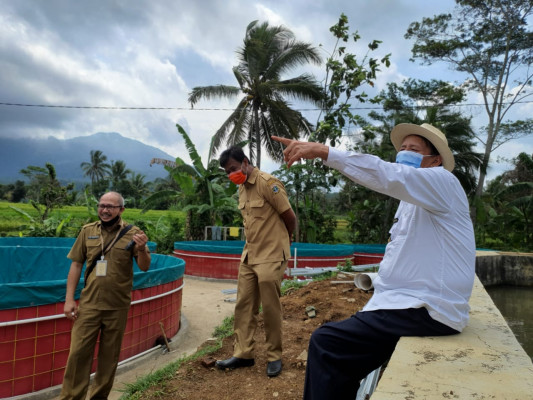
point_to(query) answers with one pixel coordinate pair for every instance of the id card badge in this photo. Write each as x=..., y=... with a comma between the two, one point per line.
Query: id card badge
x=101, y=268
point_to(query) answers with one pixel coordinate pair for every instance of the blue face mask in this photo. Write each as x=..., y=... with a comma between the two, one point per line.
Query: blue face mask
x=409, y=158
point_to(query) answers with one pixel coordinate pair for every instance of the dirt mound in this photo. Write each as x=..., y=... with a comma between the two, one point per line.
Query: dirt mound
x=330, y=301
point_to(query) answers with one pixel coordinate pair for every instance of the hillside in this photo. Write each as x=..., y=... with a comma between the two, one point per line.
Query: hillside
x=67, y=155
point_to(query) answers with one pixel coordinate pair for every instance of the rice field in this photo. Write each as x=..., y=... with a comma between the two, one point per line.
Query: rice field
x=13, y=223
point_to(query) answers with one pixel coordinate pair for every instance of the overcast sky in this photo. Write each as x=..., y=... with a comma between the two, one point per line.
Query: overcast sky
x=151, y=53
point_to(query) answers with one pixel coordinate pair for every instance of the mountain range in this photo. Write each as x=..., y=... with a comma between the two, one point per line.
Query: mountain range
x=67, y=155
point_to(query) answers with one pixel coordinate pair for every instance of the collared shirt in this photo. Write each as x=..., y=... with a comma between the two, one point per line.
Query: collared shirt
x=113, y=291
x=430, y=260
x=262, y=200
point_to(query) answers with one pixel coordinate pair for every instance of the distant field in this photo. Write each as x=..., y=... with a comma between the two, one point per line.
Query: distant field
x=12, y=223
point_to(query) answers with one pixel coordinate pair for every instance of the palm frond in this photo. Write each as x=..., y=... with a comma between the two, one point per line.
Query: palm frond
x=210, y=92
x=229, y=127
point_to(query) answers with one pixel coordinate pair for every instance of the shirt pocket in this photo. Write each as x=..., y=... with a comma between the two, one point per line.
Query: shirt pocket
x=121, y=257
x=94, y=248
x=257, y=208
x=120, y=251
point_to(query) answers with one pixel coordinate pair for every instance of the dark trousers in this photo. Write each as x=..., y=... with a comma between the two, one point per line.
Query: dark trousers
x=342, y=353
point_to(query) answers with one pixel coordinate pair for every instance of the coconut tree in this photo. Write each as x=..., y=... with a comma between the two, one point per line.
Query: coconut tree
x=138, y=188
x=118, y=174
x=268, y=53
x=97, y=168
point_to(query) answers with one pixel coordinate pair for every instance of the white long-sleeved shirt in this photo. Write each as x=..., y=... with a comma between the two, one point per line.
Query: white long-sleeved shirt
x=430, y=259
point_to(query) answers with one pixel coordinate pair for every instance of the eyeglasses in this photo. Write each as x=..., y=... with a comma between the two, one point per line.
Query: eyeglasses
x=108, y=206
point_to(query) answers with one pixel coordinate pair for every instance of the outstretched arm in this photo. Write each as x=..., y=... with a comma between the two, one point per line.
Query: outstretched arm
x=297, y=150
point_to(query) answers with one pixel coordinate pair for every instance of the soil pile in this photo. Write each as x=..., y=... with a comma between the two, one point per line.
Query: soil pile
x=329, y=300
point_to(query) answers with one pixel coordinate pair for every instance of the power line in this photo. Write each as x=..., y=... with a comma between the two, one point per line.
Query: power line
x=120, y=108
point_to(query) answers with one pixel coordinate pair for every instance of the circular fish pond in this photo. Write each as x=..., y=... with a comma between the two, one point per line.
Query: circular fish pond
x=34, y=333
x=368, y=253
x=221, y=259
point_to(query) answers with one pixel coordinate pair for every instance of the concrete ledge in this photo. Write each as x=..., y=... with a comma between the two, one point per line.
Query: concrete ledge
x=485, y=361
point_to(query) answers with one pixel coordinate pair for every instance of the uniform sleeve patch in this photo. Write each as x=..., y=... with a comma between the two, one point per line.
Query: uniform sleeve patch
x=274, y=185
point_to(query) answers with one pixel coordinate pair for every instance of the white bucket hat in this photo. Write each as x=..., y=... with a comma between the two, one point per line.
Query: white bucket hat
x=435, y=136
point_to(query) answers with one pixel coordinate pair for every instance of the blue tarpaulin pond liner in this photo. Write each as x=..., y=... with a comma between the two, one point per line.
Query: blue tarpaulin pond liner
x=220, y=259
x=33, y=275
x=369, y=248
x=236, y=247
x=32, y=291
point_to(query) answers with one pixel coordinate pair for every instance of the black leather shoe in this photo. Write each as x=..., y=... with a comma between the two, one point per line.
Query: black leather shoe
x=274, y=368
x=235, y=362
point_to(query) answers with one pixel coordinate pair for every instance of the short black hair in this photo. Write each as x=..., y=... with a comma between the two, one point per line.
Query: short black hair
x=234, y=152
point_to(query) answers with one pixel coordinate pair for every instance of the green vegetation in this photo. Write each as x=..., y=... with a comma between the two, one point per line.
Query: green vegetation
x=490, y=44
x=346, y=266
x=206, y=195
x=12, y=223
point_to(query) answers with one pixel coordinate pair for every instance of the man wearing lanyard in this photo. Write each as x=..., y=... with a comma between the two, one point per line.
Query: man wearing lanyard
x=108, y=247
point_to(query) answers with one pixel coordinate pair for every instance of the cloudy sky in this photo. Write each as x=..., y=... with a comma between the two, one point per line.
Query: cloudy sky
x=151, y=53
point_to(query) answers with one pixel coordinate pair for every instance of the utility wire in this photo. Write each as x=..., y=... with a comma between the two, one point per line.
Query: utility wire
x=224, y=109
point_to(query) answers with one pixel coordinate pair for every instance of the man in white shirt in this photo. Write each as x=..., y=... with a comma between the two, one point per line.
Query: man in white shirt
x=426, y=276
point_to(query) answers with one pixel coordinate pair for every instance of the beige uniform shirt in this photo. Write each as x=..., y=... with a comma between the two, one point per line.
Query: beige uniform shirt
x=262, y=200
x=113, y=291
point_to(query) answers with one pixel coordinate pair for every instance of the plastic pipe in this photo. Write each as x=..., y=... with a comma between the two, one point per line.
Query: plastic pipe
x=365, y=281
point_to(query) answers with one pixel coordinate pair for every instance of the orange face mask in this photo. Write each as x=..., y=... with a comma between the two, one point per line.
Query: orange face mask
x=237, y=177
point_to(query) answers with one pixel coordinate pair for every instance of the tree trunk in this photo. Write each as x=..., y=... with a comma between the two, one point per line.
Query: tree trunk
x=257, y=136
x=482, y=171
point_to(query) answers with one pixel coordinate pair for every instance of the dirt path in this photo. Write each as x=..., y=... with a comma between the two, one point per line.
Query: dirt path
x=203, y=308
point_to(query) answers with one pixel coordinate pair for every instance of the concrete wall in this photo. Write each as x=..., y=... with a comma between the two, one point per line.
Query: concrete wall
x=484, y=362
x=504, y=268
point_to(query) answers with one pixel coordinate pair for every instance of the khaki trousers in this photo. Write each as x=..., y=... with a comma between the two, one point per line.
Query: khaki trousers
x=259, y=284
x=110, y=324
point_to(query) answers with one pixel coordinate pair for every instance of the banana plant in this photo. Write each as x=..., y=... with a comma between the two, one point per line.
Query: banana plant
x=203, y=191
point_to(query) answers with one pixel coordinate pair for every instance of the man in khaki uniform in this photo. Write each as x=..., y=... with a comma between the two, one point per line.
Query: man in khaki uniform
x=268, y=224
x=105, y=300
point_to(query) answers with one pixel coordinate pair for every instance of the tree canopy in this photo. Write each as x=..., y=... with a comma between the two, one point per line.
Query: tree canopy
x=491, y=43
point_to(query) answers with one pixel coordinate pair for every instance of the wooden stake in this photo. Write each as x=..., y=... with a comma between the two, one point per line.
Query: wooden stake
x=164, y=336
